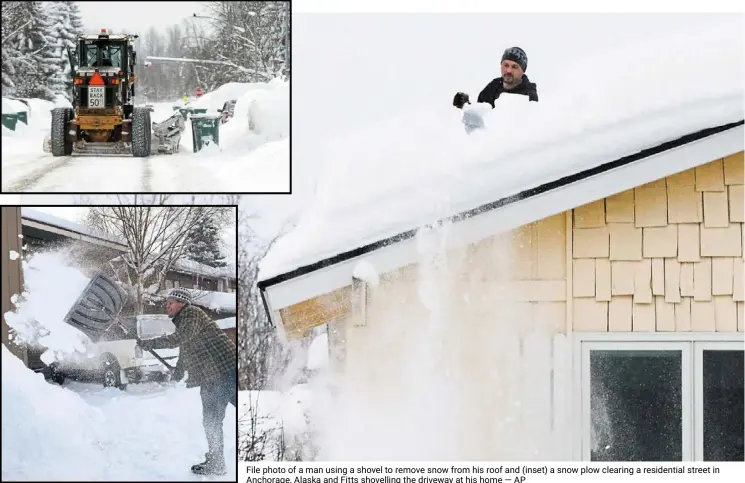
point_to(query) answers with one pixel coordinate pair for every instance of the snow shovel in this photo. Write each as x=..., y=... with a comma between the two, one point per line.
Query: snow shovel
x=97, y=310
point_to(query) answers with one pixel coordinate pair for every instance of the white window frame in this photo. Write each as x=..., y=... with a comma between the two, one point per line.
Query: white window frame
x=691, y=344
x=698, y=386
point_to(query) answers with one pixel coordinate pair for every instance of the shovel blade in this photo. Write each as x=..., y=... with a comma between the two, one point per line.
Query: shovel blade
x=97, y=307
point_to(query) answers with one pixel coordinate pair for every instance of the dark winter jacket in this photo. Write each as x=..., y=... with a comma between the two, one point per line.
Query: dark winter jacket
x=205, y=351
x=495, y=88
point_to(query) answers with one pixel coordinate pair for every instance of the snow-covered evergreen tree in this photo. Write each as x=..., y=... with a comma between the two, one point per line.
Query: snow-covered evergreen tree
x=25, y=39
x=63, y=36
x=203, y=245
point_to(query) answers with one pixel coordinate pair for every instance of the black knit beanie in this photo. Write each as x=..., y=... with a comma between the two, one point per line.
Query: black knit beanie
x=516, y=54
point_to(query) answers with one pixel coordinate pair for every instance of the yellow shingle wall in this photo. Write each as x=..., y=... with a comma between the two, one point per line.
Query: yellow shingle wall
x=665, y=256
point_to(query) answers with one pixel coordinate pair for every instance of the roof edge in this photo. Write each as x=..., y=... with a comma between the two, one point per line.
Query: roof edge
x=560, y=182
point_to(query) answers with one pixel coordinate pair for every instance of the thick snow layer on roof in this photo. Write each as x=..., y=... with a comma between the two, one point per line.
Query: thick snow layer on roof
x=190, y=266
x=421, y=166
x=31, y=214
x=217, y=301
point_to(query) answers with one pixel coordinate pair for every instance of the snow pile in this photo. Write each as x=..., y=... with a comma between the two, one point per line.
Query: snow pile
x=45, y=423
x=52, y=287
x=425, y=164
x=11, y=106
x=280, y=417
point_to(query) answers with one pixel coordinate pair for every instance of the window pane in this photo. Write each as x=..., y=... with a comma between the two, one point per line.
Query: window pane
x=723, y=405
x=636, y=405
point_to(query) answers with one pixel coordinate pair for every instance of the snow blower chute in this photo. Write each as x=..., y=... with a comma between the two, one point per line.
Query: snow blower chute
x=97, y=310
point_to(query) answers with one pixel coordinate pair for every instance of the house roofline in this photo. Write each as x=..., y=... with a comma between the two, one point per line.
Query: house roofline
x=558, y=183
x=71, y=234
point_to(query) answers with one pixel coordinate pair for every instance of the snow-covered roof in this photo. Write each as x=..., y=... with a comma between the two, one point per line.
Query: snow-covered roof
x=217, y=301
x=51, y=220
x=190, y=266
x=422, y=167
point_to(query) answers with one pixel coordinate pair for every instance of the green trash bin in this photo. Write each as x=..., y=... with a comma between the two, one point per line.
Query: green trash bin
x=185, y=111
x=10, y=120
x=23, y=117
x=205, y=130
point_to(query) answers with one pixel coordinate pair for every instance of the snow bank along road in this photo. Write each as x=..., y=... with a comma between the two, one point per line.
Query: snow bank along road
x=85, y=432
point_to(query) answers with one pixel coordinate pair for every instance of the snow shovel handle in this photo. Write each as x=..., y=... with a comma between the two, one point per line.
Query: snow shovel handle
x=152, y=351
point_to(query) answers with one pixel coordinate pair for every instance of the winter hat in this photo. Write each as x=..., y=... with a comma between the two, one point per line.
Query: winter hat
x=180, y=295
x=516, y=54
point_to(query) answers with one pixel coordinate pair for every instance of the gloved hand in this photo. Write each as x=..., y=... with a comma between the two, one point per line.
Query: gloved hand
x=460, y=99
x=145, y=344
x=177, y=374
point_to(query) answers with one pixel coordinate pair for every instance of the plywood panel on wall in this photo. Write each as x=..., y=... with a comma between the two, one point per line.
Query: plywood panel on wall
x=550, y=248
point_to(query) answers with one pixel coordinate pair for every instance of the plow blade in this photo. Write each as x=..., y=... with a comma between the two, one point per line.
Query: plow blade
x=98, y=307
x=167, y=134
x=103, y=149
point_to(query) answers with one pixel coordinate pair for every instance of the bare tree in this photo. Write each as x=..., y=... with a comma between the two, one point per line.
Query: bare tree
x=156, y=236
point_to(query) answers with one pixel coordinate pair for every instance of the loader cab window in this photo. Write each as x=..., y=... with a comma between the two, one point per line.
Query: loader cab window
x=89, y=56
x=110, y=54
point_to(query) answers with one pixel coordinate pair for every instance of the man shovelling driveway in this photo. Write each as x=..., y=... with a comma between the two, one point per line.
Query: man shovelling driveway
x=208, y=355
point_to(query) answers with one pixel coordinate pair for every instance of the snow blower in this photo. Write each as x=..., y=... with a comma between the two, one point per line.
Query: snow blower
x=97, y=310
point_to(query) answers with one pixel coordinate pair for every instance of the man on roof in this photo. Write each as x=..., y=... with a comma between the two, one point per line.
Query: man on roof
x=513, y=80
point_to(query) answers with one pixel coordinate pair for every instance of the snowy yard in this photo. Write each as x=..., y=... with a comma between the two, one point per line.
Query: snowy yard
x=87, y=432
x=254, y=151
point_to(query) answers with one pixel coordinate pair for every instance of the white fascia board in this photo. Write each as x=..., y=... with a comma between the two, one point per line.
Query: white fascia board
x=72, y=234
x=515, y=214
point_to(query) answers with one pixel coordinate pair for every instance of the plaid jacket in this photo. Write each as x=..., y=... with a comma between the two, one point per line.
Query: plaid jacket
x=204, y=349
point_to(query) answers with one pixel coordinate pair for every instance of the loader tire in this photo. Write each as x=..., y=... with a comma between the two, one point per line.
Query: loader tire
x=141, y=132
x=60, y=118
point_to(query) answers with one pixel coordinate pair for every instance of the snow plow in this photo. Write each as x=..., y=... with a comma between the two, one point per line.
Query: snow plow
x=103, y=118
x=168, y=134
